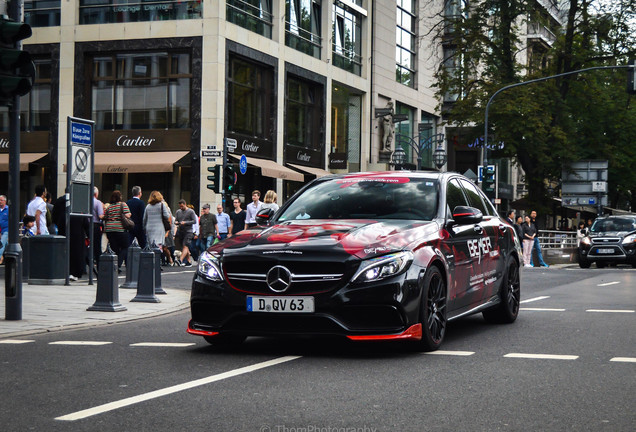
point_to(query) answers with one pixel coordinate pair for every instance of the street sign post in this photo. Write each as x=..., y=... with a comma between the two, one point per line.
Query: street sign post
x=585, y=183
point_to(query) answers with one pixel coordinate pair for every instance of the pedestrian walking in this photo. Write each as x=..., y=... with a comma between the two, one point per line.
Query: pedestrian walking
x=252, y=209
x=155, y=213
x=208, y=228
x=117, y=235
x=4, y=226
x=529, y=234
x=98, y=225
x=237, y=218
x=78, y=233
x=49, y=214
x=223, y=221
x=184, y=219
x=536, y=245
x=510, y=217
x=37, y=208
x=269, y=202
x=137, y=209
x=581, y=232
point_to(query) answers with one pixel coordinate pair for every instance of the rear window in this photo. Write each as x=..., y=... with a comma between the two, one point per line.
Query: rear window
x=367, y=198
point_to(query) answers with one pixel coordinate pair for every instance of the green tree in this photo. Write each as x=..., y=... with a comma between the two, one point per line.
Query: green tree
x=547, y=124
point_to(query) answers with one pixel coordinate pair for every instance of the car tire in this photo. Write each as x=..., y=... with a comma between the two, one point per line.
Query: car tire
x=583, y=263
x=433, y=310
x=507, y=310
x=601, y=264
x=225, y=340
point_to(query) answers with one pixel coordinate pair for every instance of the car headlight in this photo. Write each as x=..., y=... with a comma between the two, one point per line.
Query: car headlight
x=209, y=267
x=382, y=267
x=586, y=241
x=630, y=239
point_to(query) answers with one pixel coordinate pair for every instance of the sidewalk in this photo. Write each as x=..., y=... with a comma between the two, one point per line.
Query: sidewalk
x=58, y=307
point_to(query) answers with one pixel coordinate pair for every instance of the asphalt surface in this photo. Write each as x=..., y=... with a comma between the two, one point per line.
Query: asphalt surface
x=564, y=365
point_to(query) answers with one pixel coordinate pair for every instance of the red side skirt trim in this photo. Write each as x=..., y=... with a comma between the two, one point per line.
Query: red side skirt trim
x=199, y=332
x=414, y=332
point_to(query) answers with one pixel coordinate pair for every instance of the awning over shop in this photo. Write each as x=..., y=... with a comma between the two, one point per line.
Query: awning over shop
x=272, y=169
x=136, y=162
x=25, y=160
x=318, y=172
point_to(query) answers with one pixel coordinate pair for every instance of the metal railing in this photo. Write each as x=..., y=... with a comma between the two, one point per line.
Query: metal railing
x=557, y=239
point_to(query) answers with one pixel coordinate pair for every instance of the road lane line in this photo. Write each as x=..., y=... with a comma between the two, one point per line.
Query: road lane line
x=608, y=283
x=15, y=341
x=534, y=299
x=542, y=356
x=174, y=389
x=162, y=344
x=624, y=359
x=611, y=310
x=451, y=353
x=542, y=309
x=91, y=343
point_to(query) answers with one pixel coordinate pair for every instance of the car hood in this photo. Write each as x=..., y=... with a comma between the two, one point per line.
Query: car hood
x=359, y=238
x=620, y=234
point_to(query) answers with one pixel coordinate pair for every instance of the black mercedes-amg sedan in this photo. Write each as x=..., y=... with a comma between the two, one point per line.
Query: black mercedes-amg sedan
x=368, y=256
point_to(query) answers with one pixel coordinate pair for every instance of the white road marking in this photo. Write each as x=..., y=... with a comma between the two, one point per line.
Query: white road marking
x=542, y=309
x=624, y=359
x=451, y=353
x=611, y=310
x=15, y=341
x=542, y=356
x=534, y=299
x=92, y=343
x=608, y=283
x=174, y=389
x=162, y=344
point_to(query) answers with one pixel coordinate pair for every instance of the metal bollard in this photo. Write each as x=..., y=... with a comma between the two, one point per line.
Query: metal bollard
x=107, y=292
x=146, y=284
x=158, y=252
x=132, y=266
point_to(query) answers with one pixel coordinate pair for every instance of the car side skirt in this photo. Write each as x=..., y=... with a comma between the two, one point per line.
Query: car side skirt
x=413, y=333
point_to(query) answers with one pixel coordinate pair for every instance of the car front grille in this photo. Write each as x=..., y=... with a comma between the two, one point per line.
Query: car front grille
x=605, y=240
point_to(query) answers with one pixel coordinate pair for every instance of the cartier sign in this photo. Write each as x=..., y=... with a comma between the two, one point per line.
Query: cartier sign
x=139, y=141
x=143, y=140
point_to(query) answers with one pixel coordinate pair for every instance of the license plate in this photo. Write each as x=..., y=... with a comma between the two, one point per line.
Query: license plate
x=280, y=304
x=604, y=251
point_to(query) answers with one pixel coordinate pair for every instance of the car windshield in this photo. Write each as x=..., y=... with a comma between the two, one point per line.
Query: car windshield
x=367, y=198
x=613, y=225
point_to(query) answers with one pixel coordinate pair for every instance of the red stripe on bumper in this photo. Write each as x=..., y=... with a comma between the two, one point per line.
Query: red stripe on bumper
x=199, y=332
x=414, y=332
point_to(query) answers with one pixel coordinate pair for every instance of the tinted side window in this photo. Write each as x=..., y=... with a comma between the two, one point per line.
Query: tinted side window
x=454, y=195
x=474, y=198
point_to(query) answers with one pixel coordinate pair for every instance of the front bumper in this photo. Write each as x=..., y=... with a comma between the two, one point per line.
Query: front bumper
x=388, y=309
x=608, y=252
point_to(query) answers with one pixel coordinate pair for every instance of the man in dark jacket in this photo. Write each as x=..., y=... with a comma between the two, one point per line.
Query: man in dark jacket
x=510, y=217
x=137, y=209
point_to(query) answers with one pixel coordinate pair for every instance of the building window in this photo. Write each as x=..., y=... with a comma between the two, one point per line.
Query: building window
x=405, y=42
x=254, y=15
x=42, y=13
x=347, y=38
x=303, y=114
x=451, y=67
x=35, y=106
x=346, y=125
x=302, y=26
x=454, y=12
x=404, y=133
x=114, y=11
x=141, y=91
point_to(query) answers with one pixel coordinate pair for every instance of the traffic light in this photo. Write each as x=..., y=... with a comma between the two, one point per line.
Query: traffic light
x=490, y=178
x=215, y=179
x=631, y=77
x=17, y=72
x=229, y=179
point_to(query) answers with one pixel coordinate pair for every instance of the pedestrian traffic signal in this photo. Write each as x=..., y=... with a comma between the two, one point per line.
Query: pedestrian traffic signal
x=229, y=178
x=17, y=72
x=490, y=178
x=215, y=180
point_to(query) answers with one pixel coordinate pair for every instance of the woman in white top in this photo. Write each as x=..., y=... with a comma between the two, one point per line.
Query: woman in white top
x=270, y=201
x=156, y=211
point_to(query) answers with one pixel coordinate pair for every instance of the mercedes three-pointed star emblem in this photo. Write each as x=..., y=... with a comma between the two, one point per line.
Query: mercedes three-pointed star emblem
x=279, y=278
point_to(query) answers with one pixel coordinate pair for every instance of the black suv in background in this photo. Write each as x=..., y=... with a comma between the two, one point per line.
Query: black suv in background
x=367, y=256
x=611, y=240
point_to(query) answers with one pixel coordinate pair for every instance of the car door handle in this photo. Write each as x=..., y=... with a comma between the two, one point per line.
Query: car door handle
x=478, y=229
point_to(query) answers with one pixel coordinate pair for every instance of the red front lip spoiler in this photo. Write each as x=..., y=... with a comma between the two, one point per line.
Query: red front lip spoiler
x=414, y=332
x=199, y=332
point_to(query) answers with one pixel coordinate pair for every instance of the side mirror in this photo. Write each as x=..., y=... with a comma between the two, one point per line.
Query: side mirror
x=263, y=216
x=463, y=215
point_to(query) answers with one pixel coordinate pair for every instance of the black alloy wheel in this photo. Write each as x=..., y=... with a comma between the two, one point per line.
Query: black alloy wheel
x=507, y=311
x=583, y=263
x=433, y=310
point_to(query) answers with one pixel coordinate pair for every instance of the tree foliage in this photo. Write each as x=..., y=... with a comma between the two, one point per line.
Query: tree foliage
x=544, y=125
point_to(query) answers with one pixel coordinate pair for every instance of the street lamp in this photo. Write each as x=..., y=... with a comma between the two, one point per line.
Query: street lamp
x=419, y=146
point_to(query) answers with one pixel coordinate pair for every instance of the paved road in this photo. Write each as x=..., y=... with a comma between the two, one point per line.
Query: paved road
x=568, y=363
